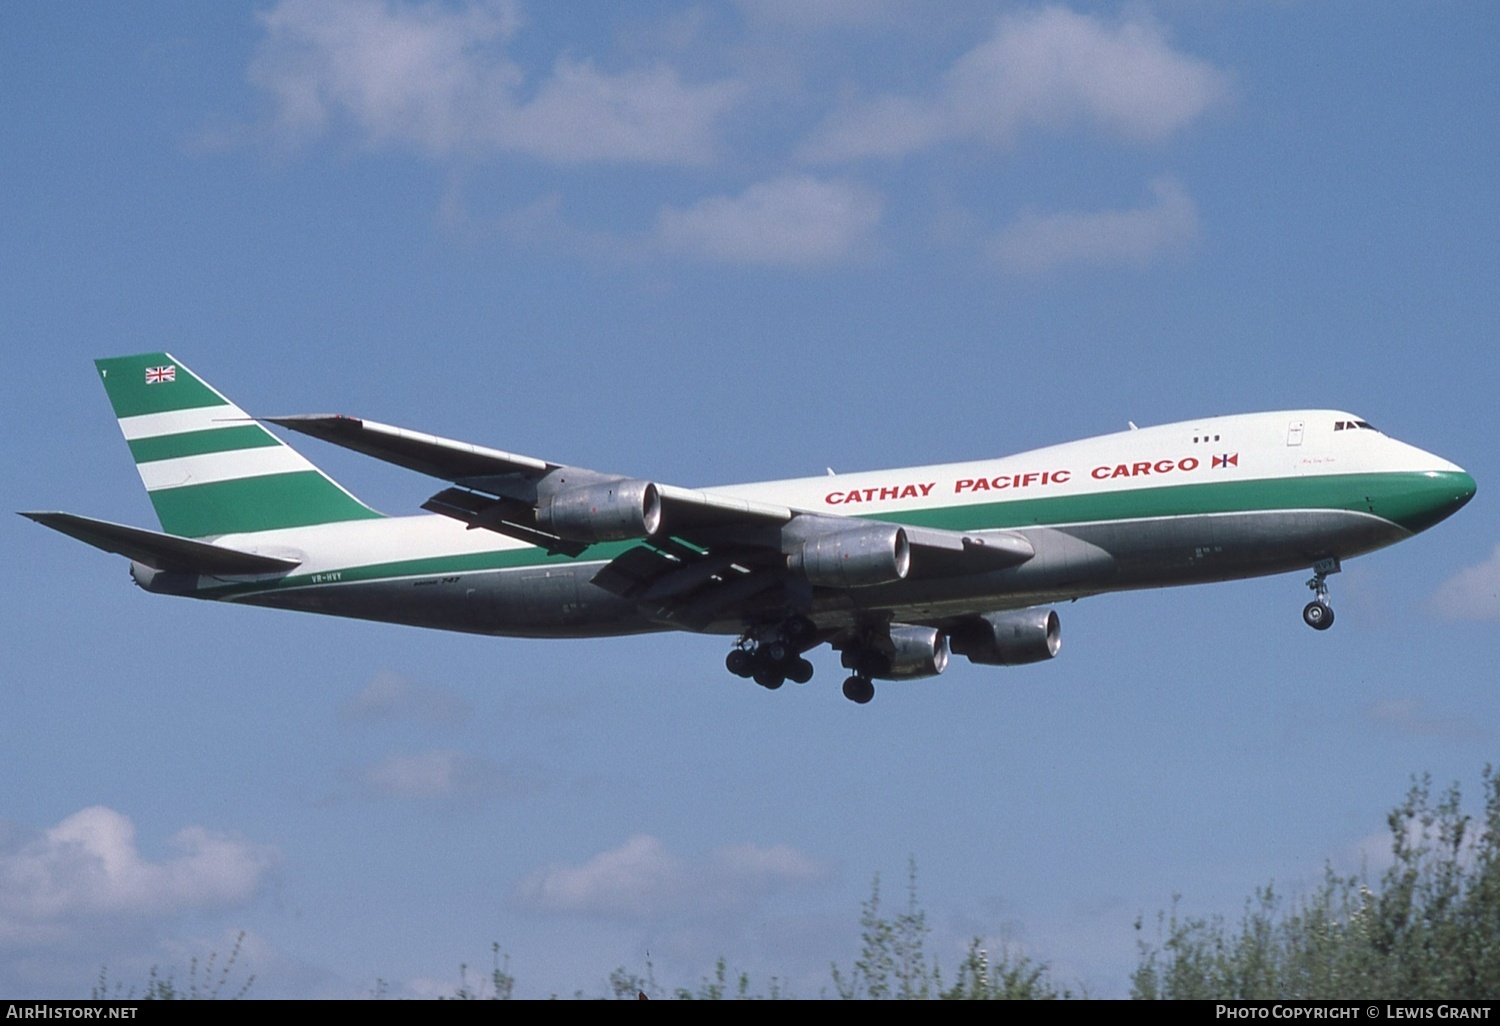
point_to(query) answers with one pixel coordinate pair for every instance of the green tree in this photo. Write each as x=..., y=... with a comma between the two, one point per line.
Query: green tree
x=499, y=986
x=206, y=982
x=1013, y=977
x=1428, y=928
x=891, y=963
x=717, y=987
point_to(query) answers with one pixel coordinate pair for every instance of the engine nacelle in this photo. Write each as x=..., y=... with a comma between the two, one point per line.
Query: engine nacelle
x=919, y=652
x=1008, y=639
x=853, y=557
x=611, y=511
x=915, y=652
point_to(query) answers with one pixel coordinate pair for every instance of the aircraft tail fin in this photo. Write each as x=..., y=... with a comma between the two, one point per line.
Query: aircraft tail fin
x=209, y=468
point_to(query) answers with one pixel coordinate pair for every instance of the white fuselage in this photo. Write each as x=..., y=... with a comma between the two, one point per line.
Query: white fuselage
x=1213, y=499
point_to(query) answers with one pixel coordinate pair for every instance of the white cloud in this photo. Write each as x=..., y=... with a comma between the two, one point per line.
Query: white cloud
x=641, y=881
x=1039, y=242
x=650, y=116
x=1473, y=593
x=440, y=774
x=795, y=220
x=390, y=696
x=1049, y=68
x=88, y=866
x=436, y=78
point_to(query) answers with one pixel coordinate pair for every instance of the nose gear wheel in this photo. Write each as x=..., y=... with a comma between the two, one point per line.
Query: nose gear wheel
x=1318, y=614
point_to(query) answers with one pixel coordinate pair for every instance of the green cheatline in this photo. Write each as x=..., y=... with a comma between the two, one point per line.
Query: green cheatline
x=198, y=443
x=1408, y=500
x=299, y=499
x=467, y=562
x=131, y=394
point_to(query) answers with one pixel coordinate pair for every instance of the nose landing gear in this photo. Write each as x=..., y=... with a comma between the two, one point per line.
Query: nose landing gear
x=1318, y=614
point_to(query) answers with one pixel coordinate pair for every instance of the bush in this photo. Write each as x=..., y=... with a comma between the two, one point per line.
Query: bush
x=1428, y=929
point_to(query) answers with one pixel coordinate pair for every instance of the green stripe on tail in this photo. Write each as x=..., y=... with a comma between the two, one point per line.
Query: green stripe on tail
x=196, y=443
x=209, y=469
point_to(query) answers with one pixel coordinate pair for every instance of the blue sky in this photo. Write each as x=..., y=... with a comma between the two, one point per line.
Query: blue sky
x=707, y=243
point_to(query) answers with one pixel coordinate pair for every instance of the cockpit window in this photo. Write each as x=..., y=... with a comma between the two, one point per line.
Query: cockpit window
x=1353, y=425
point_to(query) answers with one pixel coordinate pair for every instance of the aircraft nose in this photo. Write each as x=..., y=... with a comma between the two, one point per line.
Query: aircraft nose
x=1463, y=489
x=1436, y=496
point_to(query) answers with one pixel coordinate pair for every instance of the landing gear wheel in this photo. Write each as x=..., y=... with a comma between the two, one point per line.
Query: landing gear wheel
x=1318, y=615
x=859, y=690
x=769, y=678
x=800, y=671
x=739, y=663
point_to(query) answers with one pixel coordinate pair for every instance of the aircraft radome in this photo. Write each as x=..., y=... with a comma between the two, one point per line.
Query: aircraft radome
x=895, y=569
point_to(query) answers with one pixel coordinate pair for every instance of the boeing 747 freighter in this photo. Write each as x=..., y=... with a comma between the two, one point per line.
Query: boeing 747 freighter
x=895, y=569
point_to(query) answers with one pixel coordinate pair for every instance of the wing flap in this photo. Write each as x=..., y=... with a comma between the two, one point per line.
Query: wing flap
x=685, y=588
x=503, y=516
x=632, y=571
x=165, y=552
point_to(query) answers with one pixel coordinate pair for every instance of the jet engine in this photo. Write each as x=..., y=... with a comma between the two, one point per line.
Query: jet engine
x=1009, y=638
x=611, y=511
x=915, y=652
x=853, y=557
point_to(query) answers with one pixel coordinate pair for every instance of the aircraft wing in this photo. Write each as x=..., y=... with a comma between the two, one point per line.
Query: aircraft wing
x=427, y=454
x=700, y=553
x=516, y=480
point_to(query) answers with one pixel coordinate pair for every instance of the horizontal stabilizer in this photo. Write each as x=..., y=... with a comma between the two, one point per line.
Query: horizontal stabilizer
x=162, y=551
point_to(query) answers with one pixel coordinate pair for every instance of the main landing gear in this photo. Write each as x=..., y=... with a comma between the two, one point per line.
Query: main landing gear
x=1318, y=614
x=772, y=656
x=859, y=689
x=864, y=659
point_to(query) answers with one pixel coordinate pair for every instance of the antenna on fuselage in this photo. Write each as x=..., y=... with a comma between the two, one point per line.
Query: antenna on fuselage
x=1132, y=425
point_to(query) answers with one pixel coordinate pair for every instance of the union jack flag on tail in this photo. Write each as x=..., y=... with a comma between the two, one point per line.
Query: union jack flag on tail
x=158, y=375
